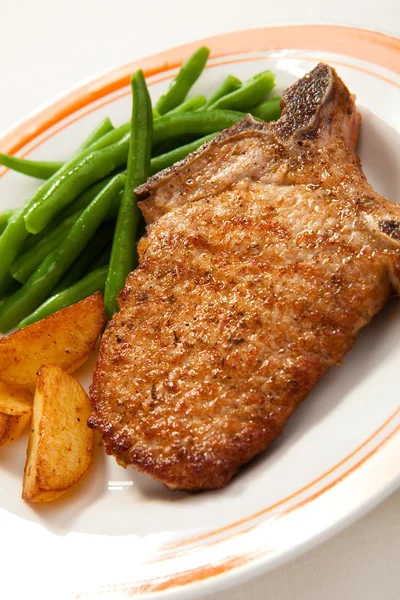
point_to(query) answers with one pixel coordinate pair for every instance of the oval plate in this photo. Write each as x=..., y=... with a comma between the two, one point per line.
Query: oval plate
x=118, y=533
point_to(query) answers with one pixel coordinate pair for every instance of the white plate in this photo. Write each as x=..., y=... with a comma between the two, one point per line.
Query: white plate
x=118, y=533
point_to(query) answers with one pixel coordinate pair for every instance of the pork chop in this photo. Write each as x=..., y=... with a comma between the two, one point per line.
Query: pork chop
x=267, y=252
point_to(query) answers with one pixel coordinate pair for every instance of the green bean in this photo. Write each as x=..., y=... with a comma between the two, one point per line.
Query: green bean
x=80, y=203
x=5, y=216
x=84, y=199
x=105, y=126
x=180, y=86
x=249, y=94
x=32, y=168
x=108, y=139
x=196, y=123
x=16, y=233
x=170, y=144
x=77, y=205
x=11, y=241
x=169, y=158
x=23, y=267
x=26, y=263
x=100, y=240
x=44, y=169
x=229, y=84
x=270, y=110
x=123, y=254
x=189, y=105
x=48, y=274
x=34, y=253
x=114, y=208
x=92, y=283
x=90, y=169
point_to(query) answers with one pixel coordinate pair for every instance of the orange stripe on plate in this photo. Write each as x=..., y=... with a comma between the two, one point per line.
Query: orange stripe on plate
x=344, y=475
x=158, y=80
x=201, y=573
x=287, y=498
x=377, y=48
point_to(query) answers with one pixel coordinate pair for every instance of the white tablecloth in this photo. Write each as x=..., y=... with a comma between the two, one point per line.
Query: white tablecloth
x=47, y=47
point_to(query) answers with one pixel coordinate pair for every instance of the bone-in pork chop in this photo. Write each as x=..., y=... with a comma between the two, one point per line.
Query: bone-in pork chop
x=267, y=252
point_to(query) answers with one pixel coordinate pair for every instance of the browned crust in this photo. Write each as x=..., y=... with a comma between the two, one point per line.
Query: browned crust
x=301, y=104
x=248, y=123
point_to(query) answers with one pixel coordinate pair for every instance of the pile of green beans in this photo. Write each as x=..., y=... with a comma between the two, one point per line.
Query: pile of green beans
x=40, y=284
x=77, y=233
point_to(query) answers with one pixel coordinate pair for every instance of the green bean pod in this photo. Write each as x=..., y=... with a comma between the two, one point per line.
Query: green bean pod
x=270, y=110
x=11, y=240
x=169, y=158
x=34, y=253
x=90, y=169
x=77, y=205
x=123, y=255
x=45, y=169
x=92, y=283
x=229, y=84
x=15, y=234
x=194, y=123
x=93, y=250
x=48, y=274
x=180, y=86
x=108, y=139
x=105, y=126
x=190, y=105
x=249, y=94
x=33, y=168
x=23, y=267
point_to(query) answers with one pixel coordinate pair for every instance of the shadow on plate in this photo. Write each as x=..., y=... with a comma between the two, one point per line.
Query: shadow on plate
x=60, y=516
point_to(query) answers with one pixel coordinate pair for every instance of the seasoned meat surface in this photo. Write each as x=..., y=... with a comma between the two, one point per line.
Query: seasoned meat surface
x=267, y=251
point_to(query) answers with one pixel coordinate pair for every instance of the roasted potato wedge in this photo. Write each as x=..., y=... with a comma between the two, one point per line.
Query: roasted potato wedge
x=15, y=412
x=61, y=444
x=66, y=338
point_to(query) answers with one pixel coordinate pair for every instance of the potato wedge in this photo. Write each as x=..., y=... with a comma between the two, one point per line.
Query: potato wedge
x=61, y=444
x=15, y=412
x=66, y=338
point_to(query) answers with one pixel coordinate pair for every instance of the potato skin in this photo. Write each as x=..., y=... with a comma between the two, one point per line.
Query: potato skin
x=66, y=338
x=15, y=412
x=60, y=445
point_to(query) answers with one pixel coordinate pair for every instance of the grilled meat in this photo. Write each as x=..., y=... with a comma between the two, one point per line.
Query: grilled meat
x=267, y=252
